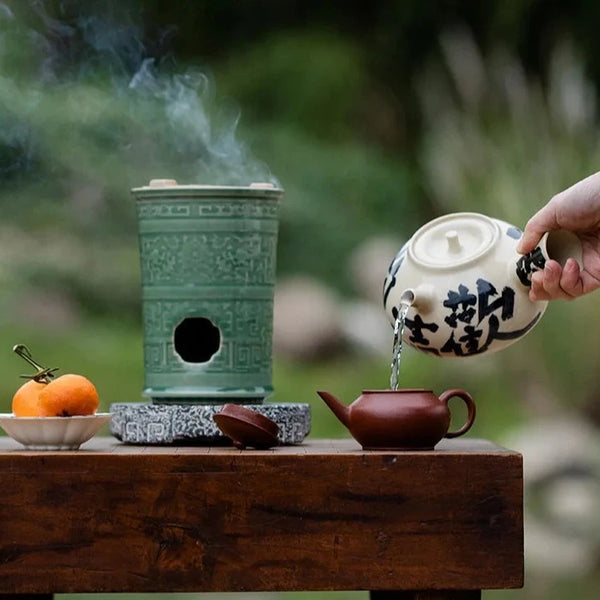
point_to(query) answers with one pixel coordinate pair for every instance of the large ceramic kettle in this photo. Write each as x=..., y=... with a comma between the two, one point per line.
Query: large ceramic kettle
x=466, y=285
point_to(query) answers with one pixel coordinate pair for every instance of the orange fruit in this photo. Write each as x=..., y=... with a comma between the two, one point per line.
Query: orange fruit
x=65, y=396
x=68, y=395
x=26, y=401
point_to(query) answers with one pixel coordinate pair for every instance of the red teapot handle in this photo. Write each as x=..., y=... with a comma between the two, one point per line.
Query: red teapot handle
x=466, y=397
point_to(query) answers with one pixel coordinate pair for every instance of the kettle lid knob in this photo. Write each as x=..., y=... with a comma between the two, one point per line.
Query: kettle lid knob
x=453, y=239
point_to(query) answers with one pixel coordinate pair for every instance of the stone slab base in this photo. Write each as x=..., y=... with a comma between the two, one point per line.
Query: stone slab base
x=146, y=423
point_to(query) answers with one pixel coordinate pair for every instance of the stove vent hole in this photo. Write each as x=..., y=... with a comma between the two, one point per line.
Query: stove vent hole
x=197, y=339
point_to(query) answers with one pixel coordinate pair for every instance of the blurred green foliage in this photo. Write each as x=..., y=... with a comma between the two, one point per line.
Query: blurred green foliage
x=374, y=117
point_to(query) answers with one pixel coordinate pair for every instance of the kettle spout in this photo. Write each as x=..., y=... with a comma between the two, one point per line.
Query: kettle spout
x=421, y=298
x=340, y=410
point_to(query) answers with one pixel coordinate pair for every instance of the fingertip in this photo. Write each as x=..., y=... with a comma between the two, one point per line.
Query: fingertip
x=537, y=278
x=540, y=223
x=529, y=240
x=536, y=291
x=550, y=274
x=570, y=280
x=523, y=246
x=550, y=280
x=538, y=295
x=571, y=265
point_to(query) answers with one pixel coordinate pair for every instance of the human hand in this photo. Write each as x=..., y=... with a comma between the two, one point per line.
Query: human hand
x=576, y=209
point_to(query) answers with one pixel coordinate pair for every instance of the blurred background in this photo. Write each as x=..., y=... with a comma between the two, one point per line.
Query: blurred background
x=375, y=118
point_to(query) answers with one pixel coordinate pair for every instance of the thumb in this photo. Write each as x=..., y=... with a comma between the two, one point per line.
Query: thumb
x=529, y=240
x=543, y=221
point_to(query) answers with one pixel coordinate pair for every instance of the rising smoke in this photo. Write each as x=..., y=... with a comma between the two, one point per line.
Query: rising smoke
x=89, y=81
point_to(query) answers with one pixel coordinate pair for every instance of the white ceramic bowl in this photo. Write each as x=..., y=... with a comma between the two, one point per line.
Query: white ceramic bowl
x=53, y=433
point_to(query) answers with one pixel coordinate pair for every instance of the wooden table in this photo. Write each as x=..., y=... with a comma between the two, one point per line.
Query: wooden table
x=321, y=516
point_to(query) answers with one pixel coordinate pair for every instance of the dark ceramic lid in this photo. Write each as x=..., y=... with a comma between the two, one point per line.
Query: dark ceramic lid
x=247, y=427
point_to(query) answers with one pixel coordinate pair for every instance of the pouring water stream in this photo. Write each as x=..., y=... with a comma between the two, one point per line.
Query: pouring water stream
x=397, y=344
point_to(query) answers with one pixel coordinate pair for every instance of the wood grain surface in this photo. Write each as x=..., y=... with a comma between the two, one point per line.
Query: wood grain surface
x=438, y=595
x=320, y=516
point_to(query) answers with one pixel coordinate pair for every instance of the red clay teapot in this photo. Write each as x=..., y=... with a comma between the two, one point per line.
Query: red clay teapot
x=405, y=419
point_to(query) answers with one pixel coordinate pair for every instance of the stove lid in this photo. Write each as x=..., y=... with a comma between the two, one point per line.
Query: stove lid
x=169, y=187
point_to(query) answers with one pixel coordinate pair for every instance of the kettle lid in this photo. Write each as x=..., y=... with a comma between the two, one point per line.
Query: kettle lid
x=453, y=240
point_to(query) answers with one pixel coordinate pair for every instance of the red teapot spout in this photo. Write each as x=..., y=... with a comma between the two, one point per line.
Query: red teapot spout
x=339, y=409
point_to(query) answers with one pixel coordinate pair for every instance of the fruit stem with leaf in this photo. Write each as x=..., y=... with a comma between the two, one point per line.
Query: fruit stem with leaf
x=43, y=374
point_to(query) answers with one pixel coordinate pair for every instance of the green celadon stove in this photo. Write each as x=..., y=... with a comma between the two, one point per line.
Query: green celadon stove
x=208, y=260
